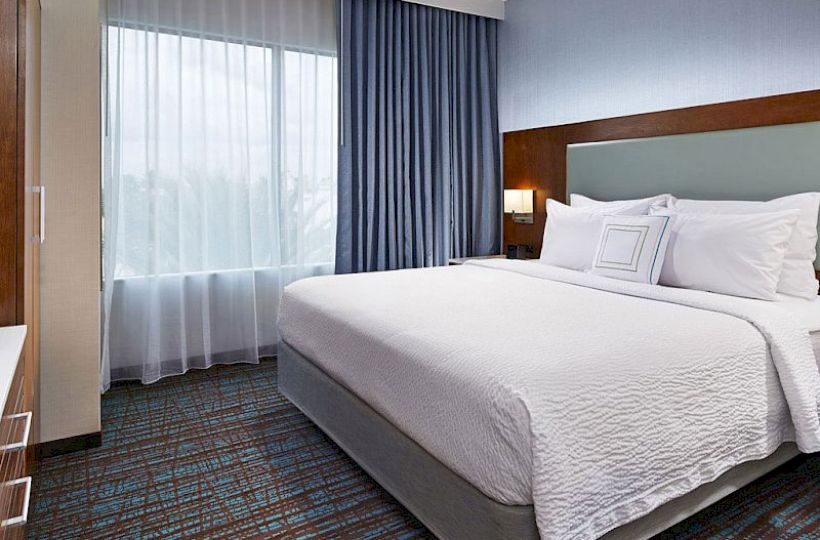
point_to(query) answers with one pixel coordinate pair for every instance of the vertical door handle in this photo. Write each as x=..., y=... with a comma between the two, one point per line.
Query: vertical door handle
x=41, y=191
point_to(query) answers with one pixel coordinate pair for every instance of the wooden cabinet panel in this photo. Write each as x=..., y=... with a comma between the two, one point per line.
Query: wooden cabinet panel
x=19, y=174
x=9, y=162
x=19, y=250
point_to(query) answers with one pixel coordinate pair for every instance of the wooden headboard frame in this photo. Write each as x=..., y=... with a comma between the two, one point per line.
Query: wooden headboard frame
x=537, y=158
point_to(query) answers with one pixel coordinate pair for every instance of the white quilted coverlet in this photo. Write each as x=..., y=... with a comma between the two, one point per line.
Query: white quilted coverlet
x=594, y=399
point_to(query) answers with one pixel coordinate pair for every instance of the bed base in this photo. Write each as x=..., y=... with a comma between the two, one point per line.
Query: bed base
x=448, y=505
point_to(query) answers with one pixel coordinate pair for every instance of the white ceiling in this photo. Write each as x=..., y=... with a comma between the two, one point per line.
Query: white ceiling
x=486, y=8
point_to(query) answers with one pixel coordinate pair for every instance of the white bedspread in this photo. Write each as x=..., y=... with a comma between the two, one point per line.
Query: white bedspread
x=594, y=399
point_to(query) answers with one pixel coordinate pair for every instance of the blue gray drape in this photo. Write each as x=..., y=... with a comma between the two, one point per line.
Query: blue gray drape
x=419, y=165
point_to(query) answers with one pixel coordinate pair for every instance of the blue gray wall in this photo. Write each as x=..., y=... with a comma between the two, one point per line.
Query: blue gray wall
x=565, y=61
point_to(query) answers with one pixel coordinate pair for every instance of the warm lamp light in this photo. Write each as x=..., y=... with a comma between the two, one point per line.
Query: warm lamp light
x=519, y=203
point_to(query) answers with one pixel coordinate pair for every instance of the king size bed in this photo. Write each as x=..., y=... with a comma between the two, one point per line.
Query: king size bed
x=521, y=400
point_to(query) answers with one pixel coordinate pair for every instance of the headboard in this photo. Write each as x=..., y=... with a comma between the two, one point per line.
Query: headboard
x=745, y=164
x=537, y=158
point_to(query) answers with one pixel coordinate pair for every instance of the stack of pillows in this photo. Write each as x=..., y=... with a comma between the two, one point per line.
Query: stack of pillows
x=739, y=248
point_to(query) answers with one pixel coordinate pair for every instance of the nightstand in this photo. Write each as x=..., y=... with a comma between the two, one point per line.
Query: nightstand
x=462, y=260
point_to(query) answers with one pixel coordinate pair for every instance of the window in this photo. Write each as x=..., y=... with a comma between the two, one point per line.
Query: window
x=222, y=153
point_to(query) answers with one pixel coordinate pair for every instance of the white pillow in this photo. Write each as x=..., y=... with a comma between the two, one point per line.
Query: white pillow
x=571, y=234
x=739, y=255
x=632, y=248
x=634, y=207
x=798, y=277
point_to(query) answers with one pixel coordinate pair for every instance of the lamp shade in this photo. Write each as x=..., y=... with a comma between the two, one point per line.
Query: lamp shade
x=518, y=201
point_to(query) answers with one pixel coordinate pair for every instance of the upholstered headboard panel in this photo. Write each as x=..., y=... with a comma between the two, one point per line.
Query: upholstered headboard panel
x=747, y=164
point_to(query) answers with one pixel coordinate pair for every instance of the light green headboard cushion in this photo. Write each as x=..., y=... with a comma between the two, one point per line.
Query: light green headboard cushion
x=753, y=164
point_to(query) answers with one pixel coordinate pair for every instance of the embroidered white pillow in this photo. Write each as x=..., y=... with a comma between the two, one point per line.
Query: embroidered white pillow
x=632, y=248
x=571, y=234
x=738, y=255
x=633, y=207
x=797, y=277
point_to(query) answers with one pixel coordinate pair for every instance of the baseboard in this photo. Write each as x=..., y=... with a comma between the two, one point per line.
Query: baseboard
x=66, y=446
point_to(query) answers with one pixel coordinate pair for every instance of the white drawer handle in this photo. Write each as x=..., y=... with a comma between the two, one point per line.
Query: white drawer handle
x=26, y=431
x=22, y=518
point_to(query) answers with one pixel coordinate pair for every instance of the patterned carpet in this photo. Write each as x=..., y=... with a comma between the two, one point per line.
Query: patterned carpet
x=221, y=454
x=211, y=454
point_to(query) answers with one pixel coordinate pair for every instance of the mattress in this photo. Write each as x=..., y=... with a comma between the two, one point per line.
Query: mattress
x=511, y=393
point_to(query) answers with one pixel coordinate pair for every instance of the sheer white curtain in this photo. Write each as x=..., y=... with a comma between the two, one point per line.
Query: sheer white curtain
x=220, y=176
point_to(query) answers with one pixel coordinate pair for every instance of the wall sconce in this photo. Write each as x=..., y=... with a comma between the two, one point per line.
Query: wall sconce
x=519, y=203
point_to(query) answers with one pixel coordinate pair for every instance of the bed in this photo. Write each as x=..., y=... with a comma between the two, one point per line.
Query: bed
x=513, y=399
x=384, y=340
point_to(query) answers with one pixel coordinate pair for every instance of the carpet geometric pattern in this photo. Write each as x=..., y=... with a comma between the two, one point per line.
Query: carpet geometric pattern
x=217, y=453
x=221, y=454
x=783, y=505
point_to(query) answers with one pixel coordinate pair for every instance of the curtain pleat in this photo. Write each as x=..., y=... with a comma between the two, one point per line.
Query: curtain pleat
x=220, y=176
x=419, y=167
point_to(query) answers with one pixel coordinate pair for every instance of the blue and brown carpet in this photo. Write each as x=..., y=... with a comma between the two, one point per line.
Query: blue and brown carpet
x=221, y=454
